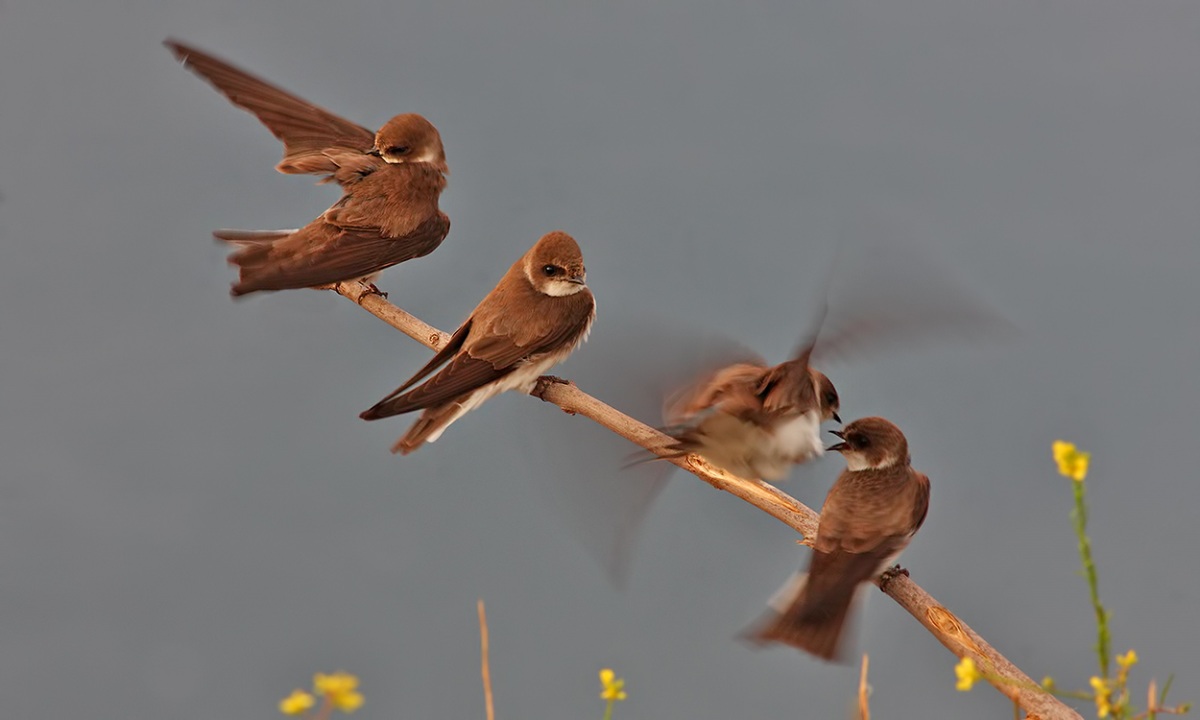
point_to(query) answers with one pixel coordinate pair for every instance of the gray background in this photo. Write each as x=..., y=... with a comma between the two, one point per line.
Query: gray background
x=193, y=519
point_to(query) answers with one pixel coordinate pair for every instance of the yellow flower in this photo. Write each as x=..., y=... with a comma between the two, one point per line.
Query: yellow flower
x=1127, y=660
x=1072, y=462
x=967, y=673
x=296, y=703
x=612, y=687
x=341, y=688
x=1103, y=696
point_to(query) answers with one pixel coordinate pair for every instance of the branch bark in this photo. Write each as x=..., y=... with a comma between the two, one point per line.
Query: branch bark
x=944, y=625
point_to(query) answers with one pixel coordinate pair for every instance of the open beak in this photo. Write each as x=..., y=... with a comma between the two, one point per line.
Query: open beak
x=837, y=418
x=838, y=447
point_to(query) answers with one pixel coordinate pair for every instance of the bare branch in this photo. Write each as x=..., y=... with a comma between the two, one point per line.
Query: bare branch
x=943, y=624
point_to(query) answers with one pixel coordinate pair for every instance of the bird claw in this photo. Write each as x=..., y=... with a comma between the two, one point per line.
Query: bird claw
x=374, y=290
x=891, y=574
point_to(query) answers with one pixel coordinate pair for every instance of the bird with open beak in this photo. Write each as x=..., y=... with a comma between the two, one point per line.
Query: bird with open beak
x=870, y=515
x=532, y=320
x=391, y=181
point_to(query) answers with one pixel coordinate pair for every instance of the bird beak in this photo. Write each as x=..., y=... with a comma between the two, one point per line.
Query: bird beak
x=839, y=447
x=577, y=280
x=838, y=433
x=375, y=152
x=837, y=417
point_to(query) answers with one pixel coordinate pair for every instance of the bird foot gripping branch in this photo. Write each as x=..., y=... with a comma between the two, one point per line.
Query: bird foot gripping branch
x=891, y=574
x=543, y=384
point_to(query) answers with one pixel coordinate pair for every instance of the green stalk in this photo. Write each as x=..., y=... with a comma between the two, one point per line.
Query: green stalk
x=1079, y=516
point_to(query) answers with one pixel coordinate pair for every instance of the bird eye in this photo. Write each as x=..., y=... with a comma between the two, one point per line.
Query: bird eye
x=831, y=399
x=860, y=441
x=398, y=149
x=550, y=270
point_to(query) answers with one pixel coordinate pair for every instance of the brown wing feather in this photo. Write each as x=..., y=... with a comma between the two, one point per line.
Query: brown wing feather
x=392, y=202
x=310, y=134
x=387, y=406
x=321, y=254
x=487, y=356
x=461, y=376
x=561, y=321
x=921, y=507
x=788, y=387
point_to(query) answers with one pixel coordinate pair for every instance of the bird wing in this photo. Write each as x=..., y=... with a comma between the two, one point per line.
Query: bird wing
x=495, y=346
x=315, y=141
x=322, y=253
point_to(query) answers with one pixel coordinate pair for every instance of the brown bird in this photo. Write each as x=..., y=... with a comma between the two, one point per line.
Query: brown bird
x=540, y=311
x=391, y=182
x=754, y=420
x=870, y=514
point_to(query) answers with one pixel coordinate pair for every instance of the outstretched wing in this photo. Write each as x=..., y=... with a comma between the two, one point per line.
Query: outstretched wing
x=315, y=141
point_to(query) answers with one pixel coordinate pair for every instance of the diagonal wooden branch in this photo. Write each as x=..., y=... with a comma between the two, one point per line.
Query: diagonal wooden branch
x=940, y=622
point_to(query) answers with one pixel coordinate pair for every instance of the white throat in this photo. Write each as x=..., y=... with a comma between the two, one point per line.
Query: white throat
x=561, y=288
x=858, y=461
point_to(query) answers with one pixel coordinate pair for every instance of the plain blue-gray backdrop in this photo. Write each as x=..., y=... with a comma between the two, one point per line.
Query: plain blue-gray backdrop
x=193, y=519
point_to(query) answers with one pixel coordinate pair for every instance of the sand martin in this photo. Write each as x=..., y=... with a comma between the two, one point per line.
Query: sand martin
x=754, y=420
x=532, y=320
x=870, y=514
x=391, y=181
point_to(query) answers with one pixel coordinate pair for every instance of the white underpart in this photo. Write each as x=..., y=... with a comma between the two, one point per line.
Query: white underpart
x=751, y=451
x=856, y=461
x=523, y=379
x=800, y=438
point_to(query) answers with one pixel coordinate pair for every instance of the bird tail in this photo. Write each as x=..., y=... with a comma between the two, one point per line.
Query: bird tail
x=429, y=427
x=251, y=238
x=254, y=250
x=817, y=630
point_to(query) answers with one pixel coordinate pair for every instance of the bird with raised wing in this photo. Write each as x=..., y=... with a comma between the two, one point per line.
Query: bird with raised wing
x=391, y=181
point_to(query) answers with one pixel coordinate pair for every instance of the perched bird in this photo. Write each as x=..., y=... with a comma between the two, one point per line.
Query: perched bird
x=754, y=420
x=870, y=514
x=391, y=181
x=540, y=311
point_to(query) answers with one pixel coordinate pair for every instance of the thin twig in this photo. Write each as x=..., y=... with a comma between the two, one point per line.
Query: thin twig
x=487, y=672
x=940, y=622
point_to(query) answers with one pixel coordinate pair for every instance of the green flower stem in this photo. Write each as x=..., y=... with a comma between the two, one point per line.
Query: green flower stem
x=1079, y=516
x=608, y=709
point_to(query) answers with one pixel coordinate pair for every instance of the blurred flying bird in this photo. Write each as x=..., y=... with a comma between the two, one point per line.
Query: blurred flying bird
x=754, y=420
x=391, y=181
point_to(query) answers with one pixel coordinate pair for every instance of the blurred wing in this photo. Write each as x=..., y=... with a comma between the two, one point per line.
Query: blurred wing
x=578, y=467
x=886, y=292
x=312, y=137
